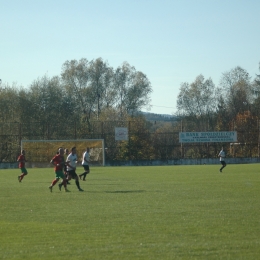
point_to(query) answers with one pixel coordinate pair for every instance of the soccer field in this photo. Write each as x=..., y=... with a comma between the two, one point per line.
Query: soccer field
x=160, y=212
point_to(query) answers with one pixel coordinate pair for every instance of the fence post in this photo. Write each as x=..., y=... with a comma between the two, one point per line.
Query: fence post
x=129, y=140
x=258, y=136
x=20, y=133
x=75, y=130
x=233, y=145
x=48, y=131
x=181, y=142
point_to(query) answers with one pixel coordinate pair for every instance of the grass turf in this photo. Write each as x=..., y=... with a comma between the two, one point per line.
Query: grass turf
x=163, y=212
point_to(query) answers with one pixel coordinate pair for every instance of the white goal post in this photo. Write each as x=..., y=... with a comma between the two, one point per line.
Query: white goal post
x=40, y=152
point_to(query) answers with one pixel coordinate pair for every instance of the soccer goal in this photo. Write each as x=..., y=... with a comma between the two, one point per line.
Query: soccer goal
x=40, y=152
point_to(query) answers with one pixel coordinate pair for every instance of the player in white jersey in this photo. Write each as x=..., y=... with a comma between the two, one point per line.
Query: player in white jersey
x=222, y=156
x=85, y=164
x=72, y=160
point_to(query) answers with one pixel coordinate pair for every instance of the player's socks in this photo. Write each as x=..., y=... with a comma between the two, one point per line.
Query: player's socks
x=84, y=175
x=21, y=176
x=54, y=182
x=64, y=183
x=77, y=183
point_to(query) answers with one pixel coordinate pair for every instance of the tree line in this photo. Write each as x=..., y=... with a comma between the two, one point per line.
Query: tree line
x=216, y=107
x=89, y=98
x=84, y=91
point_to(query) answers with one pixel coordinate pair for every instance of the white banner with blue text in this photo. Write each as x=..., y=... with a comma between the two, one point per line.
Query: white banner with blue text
x=208, y=137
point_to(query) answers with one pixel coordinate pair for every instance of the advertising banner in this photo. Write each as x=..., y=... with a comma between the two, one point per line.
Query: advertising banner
x=208, y=137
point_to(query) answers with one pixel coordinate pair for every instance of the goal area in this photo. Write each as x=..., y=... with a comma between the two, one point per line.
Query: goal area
x=40, y=152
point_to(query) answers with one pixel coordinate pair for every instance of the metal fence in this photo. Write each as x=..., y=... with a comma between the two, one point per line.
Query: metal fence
x=143, y=143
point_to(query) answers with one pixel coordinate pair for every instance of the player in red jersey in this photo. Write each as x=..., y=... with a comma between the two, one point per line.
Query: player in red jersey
x=21, y=159
x=58, y=162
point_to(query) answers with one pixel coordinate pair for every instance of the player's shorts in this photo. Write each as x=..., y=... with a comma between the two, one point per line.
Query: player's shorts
x=86, y=167
x=72, y=174
x=59, y=174
x=223, y=162
x=24, y=171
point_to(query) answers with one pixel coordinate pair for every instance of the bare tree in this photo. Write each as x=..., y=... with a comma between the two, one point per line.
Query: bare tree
x=76, y=78
x=101, y=76
x=237, y=89
x=133, y=89
x=197, y=98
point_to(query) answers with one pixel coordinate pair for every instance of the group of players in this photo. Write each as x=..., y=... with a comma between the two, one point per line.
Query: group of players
x=65, y=169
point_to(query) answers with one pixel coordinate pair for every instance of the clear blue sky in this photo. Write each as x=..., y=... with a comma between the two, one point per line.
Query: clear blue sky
x=171, y=41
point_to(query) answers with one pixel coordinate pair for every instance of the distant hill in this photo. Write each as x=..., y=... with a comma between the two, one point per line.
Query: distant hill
x=158, y=117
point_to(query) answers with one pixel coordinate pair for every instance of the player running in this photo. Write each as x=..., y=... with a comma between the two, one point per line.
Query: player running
x=222, y=156
x=71, y=168
x=85, y=164
x=58, y=162
x=21, y=159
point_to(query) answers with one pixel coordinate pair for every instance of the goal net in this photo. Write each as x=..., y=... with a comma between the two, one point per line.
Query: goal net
x=40, y=152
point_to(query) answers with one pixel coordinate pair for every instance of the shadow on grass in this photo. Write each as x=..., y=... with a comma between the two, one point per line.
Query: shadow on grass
x=125, y=191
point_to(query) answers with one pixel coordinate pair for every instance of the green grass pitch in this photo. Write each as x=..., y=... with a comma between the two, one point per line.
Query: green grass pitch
x=163, y=212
